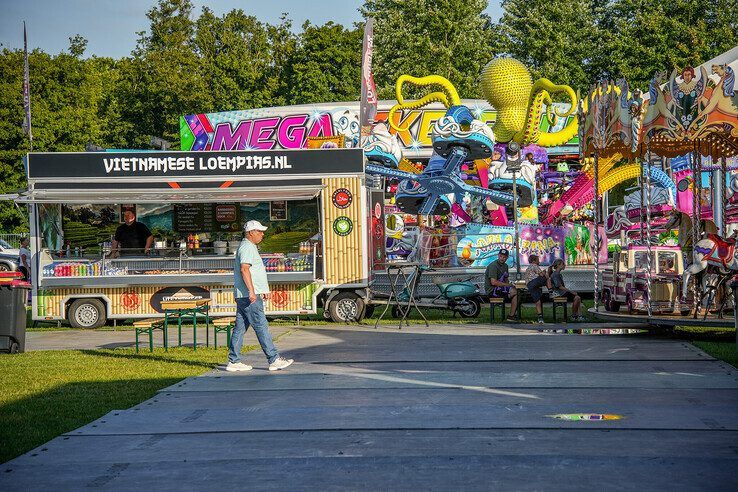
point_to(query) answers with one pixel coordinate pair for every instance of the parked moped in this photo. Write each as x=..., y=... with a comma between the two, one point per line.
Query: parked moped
x=457, y=293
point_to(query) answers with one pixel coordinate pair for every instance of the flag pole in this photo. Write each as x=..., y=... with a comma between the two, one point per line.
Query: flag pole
x=368, y=103
x=26, y=91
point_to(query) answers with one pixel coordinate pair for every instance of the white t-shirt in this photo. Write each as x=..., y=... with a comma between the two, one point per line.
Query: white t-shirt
x=26, y=262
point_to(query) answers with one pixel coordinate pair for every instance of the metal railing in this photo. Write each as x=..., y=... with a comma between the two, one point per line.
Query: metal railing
x=13, y=239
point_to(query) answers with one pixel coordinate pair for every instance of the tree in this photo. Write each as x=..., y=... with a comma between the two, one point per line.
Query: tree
x=242, y=59
x=68, y=110
x=555, y=40
x=645, y=36
x=582, y=41
x=451, y=38
x=77, y=46
x=163, y=79
x=326, y=65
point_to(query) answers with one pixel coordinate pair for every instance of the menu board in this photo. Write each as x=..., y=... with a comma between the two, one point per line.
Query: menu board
x=206, y=217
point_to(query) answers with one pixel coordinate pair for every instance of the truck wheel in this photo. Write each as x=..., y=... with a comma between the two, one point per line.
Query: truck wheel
x=86, y=313
x=346, y=307
x=14, y=347
x=4, y=267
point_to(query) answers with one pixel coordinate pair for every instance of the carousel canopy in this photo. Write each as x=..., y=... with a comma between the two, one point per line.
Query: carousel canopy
x=693, y=109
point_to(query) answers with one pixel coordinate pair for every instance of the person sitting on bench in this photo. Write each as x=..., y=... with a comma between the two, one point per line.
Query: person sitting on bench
x=559, y=289
x=496, y=282
x=535, y=280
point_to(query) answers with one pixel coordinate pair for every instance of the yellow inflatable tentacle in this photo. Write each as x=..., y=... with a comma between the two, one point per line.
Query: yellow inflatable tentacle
x=443, y=82
x=616, y=176
x=430, y=98
x=546, y=87
x=531, y=128
x=448, y=95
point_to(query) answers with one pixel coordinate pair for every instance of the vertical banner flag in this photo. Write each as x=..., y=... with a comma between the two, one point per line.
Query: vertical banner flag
x=368, y=104
x=26, y=90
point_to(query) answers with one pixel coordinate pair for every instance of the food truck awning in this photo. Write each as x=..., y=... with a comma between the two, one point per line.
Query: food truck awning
x=191, y=195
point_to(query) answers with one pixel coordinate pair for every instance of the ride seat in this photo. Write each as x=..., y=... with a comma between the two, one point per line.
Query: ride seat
x=724, y=246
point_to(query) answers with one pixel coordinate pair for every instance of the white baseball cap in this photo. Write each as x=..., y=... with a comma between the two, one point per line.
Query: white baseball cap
x=254, y=225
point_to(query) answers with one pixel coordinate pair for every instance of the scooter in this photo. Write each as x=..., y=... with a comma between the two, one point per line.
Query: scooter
x=460, y=296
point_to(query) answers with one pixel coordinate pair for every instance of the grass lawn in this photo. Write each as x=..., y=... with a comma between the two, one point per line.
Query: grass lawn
x=45, y=394
x=718, y=342
x=724, y=351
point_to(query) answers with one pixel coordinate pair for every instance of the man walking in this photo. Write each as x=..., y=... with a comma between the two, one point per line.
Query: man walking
x=250, y=289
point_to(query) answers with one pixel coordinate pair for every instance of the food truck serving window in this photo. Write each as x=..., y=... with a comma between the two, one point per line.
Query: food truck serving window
x=86, y=226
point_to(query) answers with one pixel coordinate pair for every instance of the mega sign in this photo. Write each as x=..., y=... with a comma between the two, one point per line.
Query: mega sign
x=290, y=127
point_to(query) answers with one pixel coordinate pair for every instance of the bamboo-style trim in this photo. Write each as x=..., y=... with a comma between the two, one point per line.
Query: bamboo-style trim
x=344, y=255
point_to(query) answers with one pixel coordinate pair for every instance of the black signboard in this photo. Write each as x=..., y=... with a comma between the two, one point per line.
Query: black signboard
x=171, y=166
x=206, y=217
x=187, y=293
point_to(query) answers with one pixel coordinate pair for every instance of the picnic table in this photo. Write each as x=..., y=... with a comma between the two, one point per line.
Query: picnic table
x=188, y=309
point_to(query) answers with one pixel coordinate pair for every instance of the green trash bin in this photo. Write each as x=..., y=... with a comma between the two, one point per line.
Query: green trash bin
x=13, y=296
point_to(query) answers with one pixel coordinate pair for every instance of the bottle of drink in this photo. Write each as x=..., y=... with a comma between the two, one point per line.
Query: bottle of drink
x=190, y=241
x=197, y=241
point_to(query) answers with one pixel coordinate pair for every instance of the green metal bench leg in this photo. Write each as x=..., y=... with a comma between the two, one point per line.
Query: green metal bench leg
x=151, y=339
x=179, y=326
x=166, y=330
x=136, y=339
x=194, y=332
x=207, y=328
x=228, y=336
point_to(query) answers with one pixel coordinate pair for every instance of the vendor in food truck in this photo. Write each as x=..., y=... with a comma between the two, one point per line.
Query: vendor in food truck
x=132, y=237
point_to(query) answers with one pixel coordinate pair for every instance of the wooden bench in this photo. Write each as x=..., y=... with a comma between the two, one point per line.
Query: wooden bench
x=223, y=325
x=499, y=303
x=560, y=301
x=148, y=326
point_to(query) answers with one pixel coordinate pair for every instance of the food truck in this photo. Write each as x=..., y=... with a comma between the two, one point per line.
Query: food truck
x=195, y=203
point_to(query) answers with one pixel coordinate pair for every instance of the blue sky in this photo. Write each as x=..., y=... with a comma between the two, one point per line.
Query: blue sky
x=110, y=26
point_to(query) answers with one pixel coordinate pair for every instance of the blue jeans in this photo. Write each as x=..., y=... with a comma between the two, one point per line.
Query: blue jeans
x=251, y=314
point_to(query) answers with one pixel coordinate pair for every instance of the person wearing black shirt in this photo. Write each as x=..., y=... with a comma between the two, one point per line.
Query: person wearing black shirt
x=132, y=237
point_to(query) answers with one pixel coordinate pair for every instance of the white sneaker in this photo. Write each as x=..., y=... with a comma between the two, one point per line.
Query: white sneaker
x=280, y=363
x=237, y=367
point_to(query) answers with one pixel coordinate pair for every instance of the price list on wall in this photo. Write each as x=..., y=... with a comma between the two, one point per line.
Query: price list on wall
x=206, y=217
